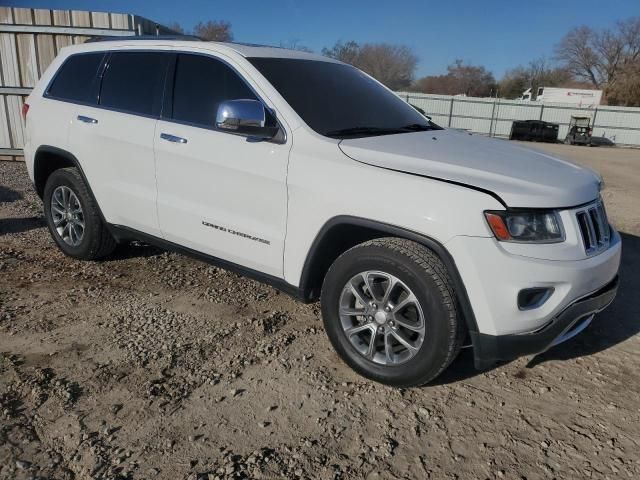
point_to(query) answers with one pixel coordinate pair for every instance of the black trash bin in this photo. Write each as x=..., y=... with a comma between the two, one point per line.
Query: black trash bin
x=534, y=131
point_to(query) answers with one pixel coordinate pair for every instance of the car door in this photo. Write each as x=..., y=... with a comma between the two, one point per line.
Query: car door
x=113, y=139
x=221, y=194
x=75, y=83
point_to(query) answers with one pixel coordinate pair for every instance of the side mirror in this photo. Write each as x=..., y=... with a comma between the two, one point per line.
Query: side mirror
x=244, y=117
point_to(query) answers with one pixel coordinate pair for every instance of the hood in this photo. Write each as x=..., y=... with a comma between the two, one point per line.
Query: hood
x=521, y=177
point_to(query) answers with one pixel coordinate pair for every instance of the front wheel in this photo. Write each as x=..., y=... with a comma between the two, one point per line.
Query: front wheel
x=389, y=310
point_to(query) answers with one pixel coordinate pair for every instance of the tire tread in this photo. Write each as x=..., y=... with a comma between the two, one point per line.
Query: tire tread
x=102, y=242
x=433, y=267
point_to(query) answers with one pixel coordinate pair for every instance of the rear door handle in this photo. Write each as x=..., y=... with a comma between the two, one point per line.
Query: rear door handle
x=84, y=119
x=172, y=138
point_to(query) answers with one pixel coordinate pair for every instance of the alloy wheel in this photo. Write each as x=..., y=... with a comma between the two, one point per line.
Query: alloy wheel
x=382, y=318
x=67, y=215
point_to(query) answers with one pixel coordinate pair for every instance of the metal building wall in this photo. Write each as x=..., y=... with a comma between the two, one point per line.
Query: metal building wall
x=30, y=39
x=490, y=116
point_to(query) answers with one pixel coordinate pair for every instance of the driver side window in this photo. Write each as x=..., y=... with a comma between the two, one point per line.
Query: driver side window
x=201, y=84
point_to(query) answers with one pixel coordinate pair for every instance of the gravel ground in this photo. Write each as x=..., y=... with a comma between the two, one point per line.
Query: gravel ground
x=152, y=365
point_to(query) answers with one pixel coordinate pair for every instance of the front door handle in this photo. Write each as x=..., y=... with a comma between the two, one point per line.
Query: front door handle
x=84, y=119
x=172, y=138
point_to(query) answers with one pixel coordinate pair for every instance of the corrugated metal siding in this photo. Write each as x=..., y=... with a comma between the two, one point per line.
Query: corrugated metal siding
x=494, y=117
x=26, y=54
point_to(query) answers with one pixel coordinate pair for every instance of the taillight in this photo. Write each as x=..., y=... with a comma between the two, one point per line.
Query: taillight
x=25, y=110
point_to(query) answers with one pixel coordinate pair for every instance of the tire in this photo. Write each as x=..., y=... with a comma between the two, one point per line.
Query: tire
x=95, y=240
x=415, y=269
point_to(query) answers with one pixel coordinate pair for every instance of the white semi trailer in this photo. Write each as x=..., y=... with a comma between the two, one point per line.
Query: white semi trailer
x=574, y=96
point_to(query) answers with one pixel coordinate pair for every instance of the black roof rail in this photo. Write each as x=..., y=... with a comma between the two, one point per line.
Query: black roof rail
x=186, y=38
x=247, y=44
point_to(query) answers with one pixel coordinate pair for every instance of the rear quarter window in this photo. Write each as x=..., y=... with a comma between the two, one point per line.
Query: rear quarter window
x=76, y=80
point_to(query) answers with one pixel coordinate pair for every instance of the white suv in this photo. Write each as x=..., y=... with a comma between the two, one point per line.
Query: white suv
x=308, y=174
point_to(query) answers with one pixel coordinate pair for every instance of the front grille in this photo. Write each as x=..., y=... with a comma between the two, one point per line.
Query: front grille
x=594, y=228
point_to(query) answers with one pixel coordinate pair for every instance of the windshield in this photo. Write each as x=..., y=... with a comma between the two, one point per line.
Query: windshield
x=338, y=100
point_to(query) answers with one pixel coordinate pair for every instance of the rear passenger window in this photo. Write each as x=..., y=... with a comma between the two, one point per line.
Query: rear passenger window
x=133, y=82
x=76, y=78
x=201, y=83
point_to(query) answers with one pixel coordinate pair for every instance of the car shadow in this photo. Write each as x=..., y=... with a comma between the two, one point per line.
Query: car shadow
x=460, y=369
x=614, y=325
x=8, y=195
x=619, y=322
x=20, y=225
x=134, y=249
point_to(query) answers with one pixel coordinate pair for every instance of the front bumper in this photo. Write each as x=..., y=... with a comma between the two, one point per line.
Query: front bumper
x=493, y=278
x=490, y=349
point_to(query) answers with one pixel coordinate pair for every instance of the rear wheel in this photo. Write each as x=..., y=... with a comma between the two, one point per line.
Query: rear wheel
x=72, y=217
x=389, y=310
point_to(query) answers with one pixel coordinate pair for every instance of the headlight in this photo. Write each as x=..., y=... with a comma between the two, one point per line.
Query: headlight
x=526, y=226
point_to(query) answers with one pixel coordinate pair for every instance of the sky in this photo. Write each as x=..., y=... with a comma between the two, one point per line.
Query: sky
x=499, y=34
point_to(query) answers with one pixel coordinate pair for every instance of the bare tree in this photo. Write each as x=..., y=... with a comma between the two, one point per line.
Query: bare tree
x=577, y=53
x=626, y=89
x=514, y=82
x=599, y=56
x=345, y=52
x=214, y=30
x=294, y=44
x=392, y=65
x=176, y=27
x=538, y=73
x=630, y=33
x=461, y=78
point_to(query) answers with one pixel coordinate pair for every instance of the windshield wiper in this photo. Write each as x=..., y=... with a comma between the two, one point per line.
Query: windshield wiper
x=372, y=131
x=418, y=127
x=364, y=131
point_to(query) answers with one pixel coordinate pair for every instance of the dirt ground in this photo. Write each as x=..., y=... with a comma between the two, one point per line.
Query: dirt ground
x=153, y=365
